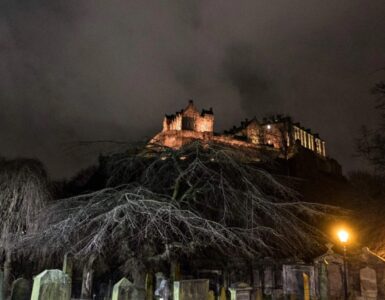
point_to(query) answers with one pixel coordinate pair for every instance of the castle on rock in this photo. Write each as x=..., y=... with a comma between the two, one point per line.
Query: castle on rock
x=277, y=133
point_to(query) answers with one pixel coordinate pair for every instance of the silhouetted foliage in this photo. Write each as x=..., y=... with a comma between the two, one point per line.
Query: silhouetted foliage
x=158, y=205
x=23, y=193
x=368, y=202
x=371, y=144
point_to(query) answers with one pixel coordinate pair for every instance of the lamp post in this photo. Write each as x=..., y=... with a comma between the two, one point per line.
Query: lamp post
x=343, y=236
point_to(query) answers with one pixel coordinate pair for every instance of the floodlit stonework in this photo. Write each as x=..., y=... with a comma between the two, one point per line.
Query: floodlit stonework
x=277, y=133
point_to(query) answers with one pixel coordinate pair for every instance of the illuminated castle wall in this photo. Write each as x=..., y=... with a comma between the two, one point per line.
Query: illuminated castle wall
x=277, y=132
x=190, y=119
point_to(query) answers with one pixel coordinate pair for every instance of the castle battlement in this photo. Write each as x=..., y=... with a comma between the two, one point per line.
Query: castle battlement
x=190, y=119
x=276, y=133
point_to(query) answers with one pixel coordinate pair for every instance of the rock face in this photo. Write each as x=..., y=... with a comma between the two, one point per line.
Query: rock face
x=51, y=285
x=21, y=289
x=279, y=136
x=277, y=132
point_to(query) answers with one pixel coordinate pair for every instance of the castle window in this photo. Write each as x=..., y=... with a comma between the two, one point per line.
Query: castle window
x=187, y=123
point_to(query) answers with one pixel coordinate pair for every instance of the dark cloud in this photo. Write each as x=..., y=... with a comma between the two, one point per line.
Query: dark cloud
x=90, y=70
x=243, y=70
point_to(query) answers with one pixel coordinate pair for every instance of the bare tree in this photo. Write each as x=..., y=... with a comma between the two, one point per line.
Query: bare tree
x=23, y=193
x=367, y=201
x=161, y=204
x=371, y=144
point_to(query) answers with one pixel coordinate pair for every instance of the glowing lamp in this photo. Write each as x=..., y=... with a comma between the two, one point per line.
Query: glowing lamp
x=343, y=236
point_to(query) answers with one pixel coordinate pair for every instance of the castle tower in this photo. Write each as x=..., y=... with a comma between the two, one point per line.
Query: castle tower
x=190, y=119
x=185, y=126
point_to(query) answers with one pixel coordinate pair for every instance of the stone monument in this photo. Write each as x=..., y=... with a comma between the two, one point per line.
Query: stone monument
x=21, y=289
x=122, y=290
x=51, y=285
x=191, y=289
x=240, y=291
x=368, y=280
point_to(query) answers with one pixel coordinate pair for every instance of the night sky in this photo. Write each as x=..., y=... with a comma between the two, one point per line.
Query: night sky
x=86, y=70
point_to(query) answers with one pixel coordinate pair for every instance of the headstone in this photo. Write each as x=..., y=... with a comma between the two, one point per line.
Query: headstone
x=191, y=289
x=240, y=291
x=330, y=278
x=257, y=285
x=21, y=289
x=162, y=290
x=298, y=281
x=335, y=280
x=323, y=282
x=268, y=279
x=122, y=290
x=368, y=281
x=105, y=290
x=51, y=285
x=211, y=295
x=222, y=294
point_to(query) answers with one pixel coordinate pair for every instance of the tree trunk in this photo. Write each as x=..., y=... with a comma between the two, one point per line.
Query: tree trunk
x=139, y=277
x=88, y=275
x=68, y=264
x=149, y=286
x=7, y=274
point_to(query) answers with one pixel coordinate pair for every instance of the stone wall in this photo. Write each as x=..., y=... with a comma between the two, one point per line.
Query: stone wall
x=190, y=119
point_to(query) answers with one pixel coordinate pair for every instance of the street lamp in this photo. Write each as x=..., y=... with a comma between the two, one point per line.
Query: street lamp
x=343, y=236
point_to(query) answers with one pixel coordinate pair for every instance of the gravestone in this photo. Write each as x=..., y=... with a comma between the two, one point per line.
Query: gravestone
x=21, y=289
x=191, y=289
x=330, y=275
x=51, y=285
x=222, y=294
x=257, y=284
x=122, y=290
x=162, y=290
x=368, y=282
x=299, y=281
x=335, y=281
x=105, y=290
x=240, y=291
x=323, y=282
x=211, y=295
x=268, y=279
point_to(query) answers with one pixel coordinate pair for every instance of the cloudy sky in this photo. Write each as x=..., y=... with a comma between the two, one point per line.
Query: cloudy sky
x=82, y=70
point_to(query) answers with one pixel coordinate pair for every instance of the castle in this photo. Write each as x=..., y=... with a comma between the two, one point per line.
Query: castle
x=277, y=133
